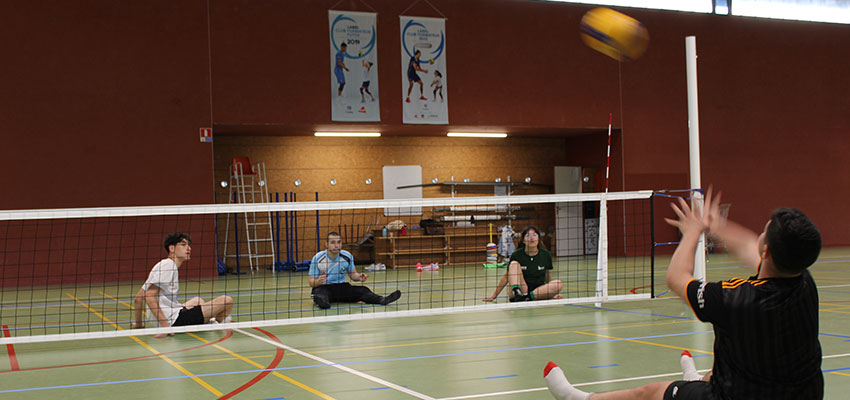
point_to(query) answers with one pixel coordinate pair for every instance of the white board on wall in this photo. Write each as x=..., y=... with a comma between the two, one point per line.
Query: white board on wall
x=402, y=175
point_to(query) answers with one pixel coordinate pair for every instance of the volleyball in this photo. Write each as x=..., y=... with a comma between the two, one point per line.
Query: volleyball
x=614, y=34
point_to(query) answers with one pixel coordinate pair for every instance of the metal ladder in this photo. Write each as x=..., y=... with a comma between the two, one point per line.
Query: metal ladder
x=248, y=185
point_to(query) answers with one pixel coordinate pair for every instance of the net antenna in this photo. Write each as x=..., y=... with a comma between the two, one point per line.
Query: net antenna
x=602, y=254
x=693, y=146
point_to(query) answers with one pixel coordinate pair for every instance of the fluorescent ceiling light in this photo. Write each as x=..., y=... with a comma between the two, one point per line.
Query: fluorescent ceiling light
x=477, y=134
x=348, y=134
x=701, y=6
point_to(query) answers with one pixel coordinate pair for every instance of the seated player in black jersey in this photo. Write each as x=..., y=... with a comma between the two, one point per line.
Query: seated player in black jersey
x=765, y=327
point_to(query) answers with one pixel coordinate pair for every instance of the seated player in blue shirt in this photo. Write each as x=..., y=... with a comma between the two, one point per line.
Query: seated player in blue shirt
x=327, y=278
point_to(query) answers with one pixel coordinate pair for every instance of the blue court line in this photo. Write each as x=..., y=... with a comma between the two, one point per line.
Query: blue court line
x=604, y=366
x=632, y=312
x=274, y=398
x=501, y=376
x=254, y=371
x=836, y=369
x=385, y=387
x=834, y=335
x=701, y=355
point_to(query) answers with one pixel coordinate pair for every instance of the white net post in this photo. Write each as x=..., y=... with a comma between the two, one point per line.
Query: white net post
x=602, y=254
x=693, y=141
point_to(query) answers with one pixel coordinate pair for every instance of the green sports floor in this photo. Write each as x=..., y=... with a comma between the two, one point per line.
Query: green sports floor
x=492, y=354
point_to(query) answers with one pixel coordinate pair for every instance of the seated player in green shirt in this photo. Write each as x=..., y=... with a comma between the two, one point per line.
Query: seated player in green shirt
x=528, y=272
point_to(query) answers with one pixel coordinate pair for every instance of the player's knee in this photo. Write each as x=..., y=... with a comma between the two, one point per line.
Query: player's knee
x=557, y=285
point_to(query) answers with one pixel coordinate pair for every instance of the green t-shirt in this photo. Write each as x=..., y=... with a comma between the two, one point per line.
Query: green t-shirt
x=533, y=267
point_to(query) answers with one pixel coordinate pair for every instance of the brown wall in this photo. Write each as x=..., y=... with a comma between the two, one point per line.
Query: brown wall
x=103, y=100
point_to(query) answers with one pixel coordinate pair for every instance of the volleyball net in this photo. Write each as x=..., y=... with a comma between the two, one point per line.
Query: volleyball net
x=73, y=273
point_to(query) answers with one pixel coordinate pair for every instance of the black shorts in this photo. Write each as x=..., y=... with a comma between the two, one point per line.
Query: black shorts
x=190, y=316
x=689, y=390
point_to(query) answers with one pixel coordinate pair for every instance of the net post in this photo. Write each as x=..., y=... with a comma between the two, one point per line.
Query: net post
x=602, y=253
x=652, y=245
x=693, y=145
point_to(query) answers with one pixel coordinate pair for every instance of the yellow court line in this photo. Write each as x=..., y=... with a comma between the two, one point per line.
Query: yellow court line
x=152, y=350
x=644, y=342
x=836, y=311
x=490, y=338
x=449, y=341
x=275, y=373
x=222, y=359
x=119, y=301
x=839, y=373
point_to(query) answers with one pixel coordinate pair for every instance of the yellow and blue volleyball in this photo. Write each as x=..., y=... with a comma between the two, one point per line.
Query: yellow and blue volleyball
x=614, y=34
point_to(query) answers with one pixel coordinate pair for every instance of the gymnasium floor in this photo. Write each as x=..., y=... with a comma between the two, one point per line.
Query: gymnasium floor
x=497, y=354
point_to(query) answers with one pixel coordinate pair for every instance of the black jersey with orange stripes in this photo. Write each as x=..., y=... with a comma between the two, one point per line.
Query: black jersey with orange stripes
x=765, y=336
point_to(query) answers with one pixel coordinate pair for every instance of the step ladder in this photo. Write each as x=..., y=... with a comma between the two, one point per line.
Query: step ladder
x=248, y=185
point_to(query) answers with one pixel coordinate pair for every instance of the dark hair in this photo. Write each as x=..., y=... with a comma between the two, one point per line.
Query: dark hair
x=333, y=234
x=370, y=64
x=522, y=237
x=343, y=44
x=175, y=237
x=438, y=73
x=415, y=52
x=793, y=240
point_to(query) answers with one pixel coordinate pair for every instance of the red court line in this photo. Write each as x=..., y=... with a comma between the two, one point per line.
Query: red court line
x=227, y=336
x=13, y=359
x=277, y=358
x=634, y=290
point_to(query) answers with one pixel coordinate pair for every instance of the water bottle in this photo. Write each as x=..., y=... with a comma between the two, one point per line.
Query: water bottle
x=384, y=232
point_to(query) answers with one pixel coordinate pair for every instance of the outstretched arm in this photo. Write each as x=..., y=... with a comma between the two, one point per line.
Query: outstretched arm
x=740, y=241
x=692, y=223
x=499, y=287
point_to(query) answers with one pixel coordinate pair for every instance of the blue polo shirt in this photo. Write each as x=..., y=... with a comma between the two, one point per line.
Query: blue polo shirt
x=336, y=269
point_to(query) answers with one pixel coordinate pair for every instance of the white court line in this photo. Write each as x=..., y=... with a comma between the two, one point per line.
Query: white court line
x=832, y=286
x=636, y=378
x=335, y=365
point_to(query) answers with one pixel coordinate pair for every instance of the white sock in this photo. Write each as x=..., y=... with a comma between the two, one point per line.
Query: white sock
x=559, y=386
x=688, y=368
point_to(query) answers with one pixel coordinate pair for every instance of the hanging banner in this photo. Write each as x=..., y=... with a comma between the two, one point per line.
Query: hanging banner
x=423, y=71
x=354, y=66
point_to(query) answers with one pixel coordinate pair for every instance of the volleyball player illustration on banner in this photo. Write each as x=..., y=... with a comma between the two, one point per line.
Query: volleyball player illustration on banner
x=412, y=77
x=437, y=84
x=423, y=51
x=353, y=47
x=340, y=66
x=367, y=79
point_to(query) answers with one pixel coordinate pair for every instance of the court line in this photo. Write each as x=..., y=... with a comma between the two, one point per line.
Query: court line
x=832, y=286
x=223, y=338
x=540, y=389
x=277, y=359
x=357, y=362
x=643, y=342
x=152, y=350
x=338, y=366
x=10, y=350
x=269, y=369
x=392, y=346
x=265, y=371
x=631, y=312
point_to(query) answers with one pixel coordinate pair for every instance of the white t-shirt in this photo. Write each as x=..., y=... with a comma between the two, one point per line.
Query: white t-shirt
x=366, y=74
x=164, y=276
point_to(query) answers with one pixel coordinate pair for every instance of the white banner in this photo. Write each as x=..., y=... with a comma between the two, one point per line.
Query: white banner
x=354, y=66
x=423, y=71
